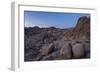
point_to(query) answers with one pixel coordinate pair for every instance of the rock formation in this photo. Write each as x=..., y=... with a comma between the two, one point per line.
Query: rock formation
x=57, y=44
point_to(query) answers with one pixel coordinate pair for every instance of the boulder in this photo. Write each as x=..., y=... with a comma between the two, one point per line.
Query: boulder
x=46, y=49
x=66, y=51
x=87, y=47
x=87, y=50
x=60, y=43
x=78, y=50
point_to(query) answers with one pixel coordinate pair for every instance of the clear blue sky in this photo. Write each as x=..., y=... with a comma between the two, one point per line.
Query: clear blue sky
x=49, y=19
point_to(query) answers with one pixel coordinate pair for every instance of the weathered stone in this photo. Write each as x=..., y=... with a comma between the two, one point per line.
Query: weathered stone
x=47, y=48
x=87, y=50
x=60, y=43
x=66, y=51
x=78, y=50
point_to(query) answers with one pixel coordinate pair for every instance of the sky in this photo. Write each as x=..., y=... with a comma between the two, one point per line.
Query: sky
x=51, y=19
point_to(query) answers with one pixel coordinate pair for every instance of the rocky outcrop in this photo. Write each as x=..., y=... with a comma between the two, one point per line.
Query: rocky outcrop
x=80, y=31
x=57, y=44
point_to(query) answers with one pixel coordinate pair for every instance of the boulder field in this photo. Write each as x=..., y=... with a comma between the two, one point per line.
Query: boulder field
x=58, y=44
